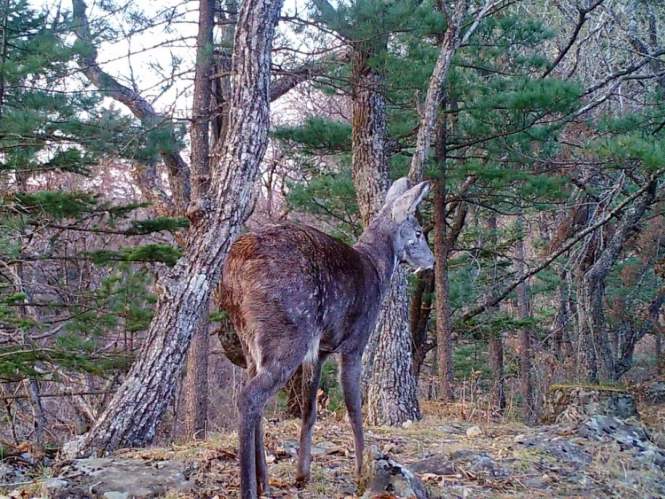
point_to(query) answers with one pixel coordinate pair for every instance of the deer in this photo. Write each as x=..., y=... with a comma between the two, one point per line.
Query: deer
x=296, y=295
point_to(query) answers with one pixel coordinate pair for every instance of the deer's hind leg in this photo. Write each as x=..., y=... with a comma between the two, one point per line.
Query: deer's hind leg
x=351, y=370
x=310, y=385
x=269, y=377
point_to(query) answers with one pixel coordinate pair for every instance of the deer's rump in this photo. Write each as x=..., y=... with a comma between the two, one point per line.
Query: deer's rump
x=290, y=286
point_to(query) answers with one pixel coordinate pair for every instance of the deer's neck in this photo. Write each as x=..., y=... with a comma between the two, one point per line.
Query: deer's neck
x=376, y=243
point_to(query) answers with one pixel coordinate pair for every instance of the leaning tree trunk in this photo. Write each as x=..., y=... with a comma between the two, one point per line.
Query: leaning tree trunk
x=132, y=416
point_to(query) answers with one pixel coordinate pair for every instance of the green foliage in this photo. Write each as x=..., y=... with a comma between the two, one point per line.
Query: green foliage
x=164, y=253
x=331, y=196
x=55, y=204
x=317, y=135
x=171, y=224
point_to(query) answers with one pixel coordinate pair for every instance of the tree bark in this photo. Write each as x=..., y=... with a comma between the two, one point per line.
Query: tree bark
x=495, y=341
x=388, y=356
x=444, y=326
x=195, y=384
x=132, y=415
x=523, y=309
x=660, y=364
x=419, y=314
x=369, y=160
x=392, y=392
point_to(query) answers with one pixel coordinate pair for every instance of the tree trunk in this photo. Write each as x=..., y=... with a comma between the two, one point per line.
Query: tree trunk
x=495, y=341
x=603, y=362
x=660, y=363
x=195, y=389
x=444, y=326
x=419, y=314
x=388, y=356
x=526, y=386
x=391, y=394
x=132, y=416
x=368, y=135
x=294, y=396
x=195, y=384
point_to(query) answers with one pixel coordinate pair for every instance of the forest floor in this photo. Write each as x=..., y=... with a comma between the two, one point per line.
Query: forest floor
x=452, y=457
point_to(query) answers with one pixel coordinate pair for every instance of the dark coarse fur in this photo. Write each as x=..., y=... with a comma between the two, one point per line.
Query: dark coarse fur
x=292, y=283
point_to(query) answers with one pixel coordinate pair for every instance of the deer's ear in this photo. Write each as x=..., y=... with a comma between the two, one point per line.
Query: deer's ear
x=405, y=205
x=399, y=187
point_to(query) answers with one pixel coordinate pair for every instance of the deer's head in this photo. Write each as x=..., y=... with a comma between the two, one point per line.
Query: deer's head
x=409, y=241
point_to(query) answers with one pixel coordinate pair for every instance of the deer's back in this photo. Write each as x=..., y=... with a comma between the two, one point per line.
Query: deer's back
x=292, y=280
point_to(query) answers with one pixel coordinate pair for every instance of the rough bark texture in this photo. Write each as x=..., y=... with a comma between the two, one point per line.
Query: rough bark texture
x=195, y=384
x=526, y=385
x=419, y=314
x=369, y=161
x=389, y=381
x=428, y=115
x=495, y=341
x=660, y=364
x=132, y=416
x=391, y=393
x=444, y=329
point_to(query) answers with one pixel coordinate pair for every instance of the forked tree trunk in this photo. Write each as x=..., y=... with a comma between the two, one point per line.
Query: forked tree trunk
x=603, y=361
x=132, y=416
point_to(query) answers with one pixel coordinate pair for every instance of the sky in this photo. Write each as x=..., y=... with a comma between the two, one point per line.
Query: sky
x=145, y=60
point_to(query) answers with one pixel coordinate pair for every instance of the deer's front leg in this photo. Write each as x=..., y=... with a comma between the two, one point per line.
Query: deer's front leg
x=351, y=369
x=310, y=385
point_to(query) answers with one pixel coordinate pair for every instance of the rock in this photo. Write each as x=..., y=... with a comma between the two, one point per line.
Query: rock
x=327, y=449
x=578, y=402
x=436, y=465
x=480, y=463
x=55, y=483
x=474, y=431
x=384, y=476
x=560, y=448
x=655, y=392
x=630, y=437
x=9, y=475
x=407, y=424
x=116, y=478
